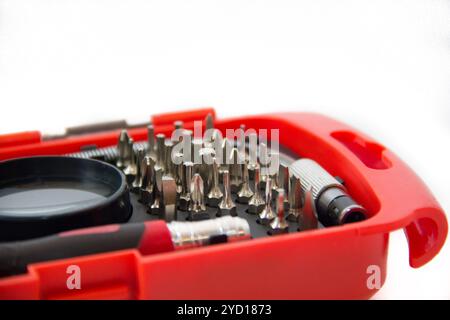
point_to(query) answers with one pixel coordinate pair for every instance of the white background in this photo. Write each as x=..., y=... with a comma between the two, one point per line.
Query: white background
x=381, y=66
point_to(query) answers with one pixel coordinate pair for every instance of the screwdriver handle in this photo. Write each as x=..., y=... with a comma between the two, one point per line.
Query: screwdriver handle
x=148, y=237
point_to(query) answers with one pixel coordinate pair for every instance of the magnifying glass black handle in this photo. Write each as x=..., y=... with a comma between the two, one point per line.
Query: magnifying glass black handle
x=148, y=237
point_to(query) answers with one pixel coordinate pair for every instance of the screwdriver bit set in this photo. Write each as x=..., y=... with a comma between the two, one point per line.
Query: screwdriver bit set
x=283, y=206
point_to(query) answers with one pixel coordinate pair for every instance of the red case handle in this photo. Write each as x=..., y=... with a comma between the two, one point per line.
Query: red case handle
x=19, y=138
x=394, y=196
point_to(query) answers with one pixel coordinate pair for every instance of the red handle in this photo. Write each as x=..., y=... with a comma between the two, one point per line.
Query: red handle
x=394, y=196
x=19, y=138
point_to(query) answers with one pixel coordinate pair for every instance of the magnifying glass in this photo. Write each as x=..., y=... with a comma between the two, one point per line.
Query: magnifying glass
x=45, y=195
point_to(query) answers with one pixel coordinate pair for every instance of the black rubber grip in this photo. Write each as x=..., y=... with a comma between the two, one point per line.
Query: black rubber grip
x=16, y=256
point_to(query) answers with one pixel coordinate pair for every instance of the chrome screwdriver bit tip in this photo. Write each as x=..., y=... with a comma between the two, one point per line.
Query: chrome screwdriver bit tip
x=151, y=141
x=197, y=208
x=131, y=169
x=148, y=176
x=137, y=182
x=156, y=205
x=226, y=206
x=267, y=215
x=235, y=163
x=256, y=203
x=123, y=155
x=245, y=193
x=185, y=196
x=160, y=150
x=279, y=225
x=295, y=199
x=215, y=194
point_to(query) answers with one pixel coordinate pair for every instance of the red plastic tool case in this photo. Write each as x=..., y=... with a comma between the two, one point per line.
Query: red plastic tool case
x=327, y=263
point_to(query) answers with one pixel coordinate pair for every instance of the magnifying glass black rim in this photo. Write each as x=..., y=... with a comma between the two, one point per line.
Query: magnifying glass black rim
x=114, y=208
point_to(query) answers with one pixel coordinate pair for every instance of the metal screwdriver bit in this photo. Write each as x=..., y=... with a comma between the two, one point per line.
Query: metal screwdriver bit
x=156, y=206
x=252, y=153
x=245, y=193
x=168, y=163
x=169, y=199
x=205, y=168
x=151, y=142
x=185, y=196
x=275, y=162
x=160, y=150
x=137, y=182
x=178, y=171
x=279, y=225
x=263, y=159
x=148, y=180
x=123, y=155
x=215, y=194
x=307, y=219
x=197, y=208
x=226, y=206
x=267, y=215
x=235, y=163
x=226, y=152
x=256, y=203
x=285, y=182
x=131, y=168
x=186, y=141
x=295, y=198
